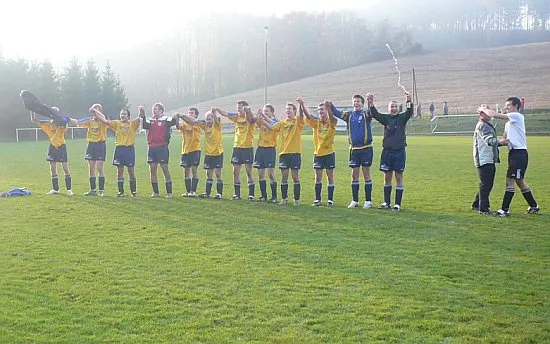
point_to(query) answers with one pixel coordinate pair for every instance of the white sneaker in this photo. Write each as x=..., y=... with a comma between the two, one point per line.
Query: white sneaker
x=396, y=207
x=297, y=202
x=155, y=195
x=69, y=192
x=101, y=193
x=367, y=205
x=192, y=194
x=169, y=196
x=353, y=204
x=52, y=192
x=284, y=201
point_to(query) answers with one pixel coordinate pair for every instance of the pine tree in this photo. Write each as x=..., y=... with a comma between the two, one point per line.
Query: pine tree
x=112, y=97
x=91, y=84
x=72, y=90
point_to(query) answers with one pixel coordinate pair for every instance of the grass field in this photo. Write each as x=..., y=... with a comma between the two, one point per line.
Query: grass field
x=88, y=270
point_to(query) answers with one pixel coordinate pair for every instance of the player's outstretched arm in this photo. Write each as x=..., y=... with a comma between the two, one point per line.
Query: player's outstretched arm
x=302, y=108
x=99, y=115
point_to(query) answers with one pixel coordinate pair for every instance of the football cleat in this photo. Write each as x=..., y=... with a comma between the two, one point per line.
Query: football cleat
x=384, y=206
x=91, y=193
x=533, y=210
x=330, y=203
x=502, y=213
x=367, y=205
x=396, y=207
x=353, y=204
x=316, y=203
x=52, y=192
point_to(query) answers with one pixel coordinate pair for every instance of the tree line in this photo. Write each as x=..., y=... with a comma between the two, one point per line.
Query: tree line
x=223, y=54
x=73, y=90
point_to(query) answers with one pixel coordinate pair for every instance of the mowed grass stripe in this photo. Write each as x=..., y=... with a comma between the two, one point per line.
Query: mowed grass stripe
x=140, y=270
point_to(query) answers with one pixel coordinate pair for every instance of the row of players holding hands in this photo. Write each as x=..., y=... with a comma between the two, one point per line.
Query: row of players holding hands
x=284, y=134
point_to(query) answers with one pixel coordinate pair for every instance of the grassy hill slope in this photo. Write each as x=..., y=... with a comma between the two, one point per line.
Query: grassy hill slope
x=464, y=79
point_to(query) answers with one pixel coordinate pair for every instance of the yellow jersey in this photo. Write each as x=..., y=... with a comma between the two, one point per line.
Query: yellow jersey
x=125, y=132
x=190, y=138
x=244, y=132
x=323, y=136
x=56, y=134
x=212, y=138
x=97, y=130
x=268, y=136
x=290, y=135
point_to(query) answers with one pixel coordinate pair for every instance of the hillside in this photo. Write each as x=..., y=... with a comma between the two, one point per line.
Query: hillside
x=464, y=79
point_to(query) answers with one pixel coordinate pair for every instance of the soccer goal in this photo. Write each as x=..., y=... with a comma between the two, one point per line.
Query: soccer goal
x=37, y=133
x=454, y=124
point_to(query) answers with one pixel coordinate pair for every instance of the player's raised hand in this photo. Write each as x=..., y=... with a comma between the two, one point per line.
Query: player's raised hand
x=408, y=96
x=141, y=111
x=300, y=101
x=370, y=98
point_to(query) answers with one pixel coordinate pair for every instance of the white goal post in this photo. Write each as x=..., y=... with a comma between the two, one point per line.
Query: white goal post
x=454, y=124
x=40, y=129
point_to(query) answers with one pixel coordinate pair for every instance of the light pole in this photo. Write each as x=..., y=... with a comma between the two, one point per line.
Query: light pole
x=265, y=65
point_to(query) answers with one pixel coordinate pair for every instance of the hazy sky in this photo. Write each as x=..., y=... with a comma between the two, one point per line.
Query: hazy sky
x=59, y=29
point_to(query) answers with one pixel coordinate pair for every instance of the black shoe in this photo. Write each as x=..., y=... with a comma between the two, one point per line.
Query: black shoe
x=488, y=212
x=533, y=210
x=502, y=213
x=204, y=195
x=262, y=199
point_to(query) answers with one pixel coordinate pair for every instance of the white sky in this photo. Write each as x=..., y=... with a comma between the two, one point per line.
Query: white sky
x=57, y=30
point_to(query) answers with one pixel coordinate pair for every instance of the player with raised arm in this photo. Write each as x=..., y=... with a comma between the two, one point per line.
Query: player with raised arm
x=393, y=157
x=96, y=150
x=324, y=130
x=158, y=137
x=243, y=148
x=213, y=158
x=518, y=157
x=290, y=150
x=266, y=152
x=57, y=150
x=190, y=150
x=360, y=150
x=125, y=139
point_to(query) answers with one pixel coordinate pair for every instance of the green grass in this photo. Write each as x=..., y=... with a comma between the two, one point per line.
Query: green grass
x=87, y=270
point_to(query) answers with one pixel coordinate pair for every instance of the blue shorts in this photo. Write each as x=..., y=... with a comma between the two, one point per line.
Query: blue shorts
x=360, y=157
x=242, y=156
x=213, y=161
x=158, y=155
x=124, y=156
x=518, y=159
x=57, y=154
x=96, y=151
x=290, y=160
x=265, y=157
x=393, y=160
x=191, y=159
x=324, y=162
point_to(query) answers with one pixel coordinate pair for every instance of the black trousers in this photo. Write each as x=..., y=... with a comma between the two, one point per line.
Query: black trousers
x=486, y=180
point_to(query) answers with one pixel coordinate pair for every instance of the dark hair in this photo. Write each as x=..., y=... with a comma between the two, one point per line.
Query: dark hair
x=242, y=103
x=270, y=107
x=360, y=97
x=515, y=101
x=127, y=110
x=159, y=105
x=196, y=110
x=293, y=106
